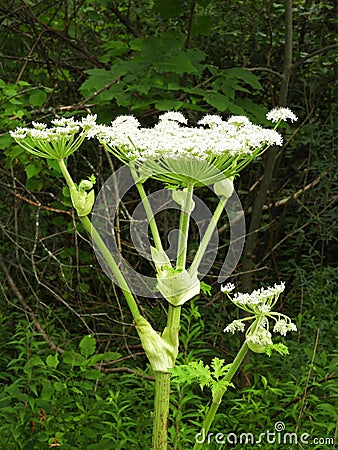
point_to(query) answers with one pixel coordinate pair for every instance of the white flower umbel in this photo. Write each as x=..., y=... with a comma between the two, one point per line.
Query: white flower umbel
x=278, y=114
x=178, y=154
x=57, y=142
x=259, y=305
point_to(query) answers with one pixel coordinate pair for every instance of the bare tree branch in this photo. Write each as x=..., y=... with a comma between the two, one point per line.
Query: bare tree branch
x=319, y=51
x=27, y=308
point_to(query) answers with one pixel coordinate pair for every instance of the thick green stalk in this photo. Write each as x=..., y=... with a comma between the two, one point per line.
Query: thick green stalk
x=184, y=229
x=104, y=250
x=174, y=316
x=217, y=401
x=161, y=411
x=162, y=389
x=207, y=236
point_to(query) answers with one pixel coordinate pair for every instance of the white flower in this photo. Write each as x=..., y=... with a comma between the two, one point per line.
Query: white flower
x=264, y=308
x=239, y=120
x=227, y=288
x=19, y=133
x=173, y=116
x=280, y=113
x=260, y=300
x=261, y=337
x=39, y=125
x=64, y=122
x=177, y=154
x=282, y=326
x=236, y=325
x=259, y=304
x=57, y=142
x=125, y=122
x=89, y=121
x=211, y=120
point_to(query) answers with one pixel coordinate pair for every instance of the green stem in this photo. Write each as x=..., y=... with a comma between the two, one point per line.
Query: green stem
x=207, y=236
x=152, y=222
x=174, y=316
x=217, y=401
x=120, y=280
x=161, y=411
x=66, y=174
x=162, y=389
x=104, y=250
x=162, y=380
x=184, y=229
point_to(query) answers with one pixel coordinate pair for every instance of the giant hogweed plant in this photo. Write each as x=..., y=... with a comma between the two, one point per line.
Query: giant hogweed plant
x=212, y=154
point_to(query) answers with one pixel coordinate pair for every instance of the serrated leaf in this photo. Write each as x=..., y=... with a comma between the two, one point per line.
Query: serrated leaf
x=98, y=78
x=279, y=348
x=6, y=141
x=206, y=289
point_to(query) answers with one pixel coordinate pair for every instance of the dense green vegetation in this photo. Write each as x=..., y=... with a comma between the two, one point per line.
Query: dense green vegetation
x=72, y=370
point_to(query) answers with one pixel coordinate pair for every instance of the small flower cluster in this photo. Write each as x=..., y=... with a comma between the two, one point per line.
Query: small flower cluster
x=278, y=114
x=259, y=305
x=56, y=142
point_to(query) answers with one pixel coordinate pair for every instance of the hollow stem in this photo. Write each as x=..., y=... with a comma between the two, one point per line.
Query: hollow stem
x=161, y=411
x=210, y=415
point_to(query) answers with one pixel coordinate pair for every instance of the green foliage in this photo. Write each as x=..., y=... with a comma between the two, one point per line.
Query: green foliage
x=202, y=374
x=152, y=78
x=222, y=57
x=66, y=399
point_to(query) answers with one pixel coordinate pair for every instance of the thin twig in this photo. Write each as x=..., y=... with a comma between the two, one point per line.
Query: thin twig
x=27, y=308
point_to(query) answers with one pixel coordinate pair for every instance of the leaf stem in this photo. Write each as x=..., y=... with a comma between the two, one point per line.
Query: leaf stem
x=217, y=401
x=152, y=222
x=184, y=229
x=207, y=236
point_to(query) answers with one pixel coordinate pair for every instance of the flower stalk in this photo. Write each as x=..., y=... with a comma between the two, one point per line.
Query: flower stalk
x=210, y=415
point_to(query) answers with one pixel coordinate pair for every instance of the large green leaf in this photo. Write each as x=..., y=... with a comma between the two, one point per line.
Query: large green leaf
x=166, y=105
x=178, y=64
x=245, y=75
x=99, y=78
